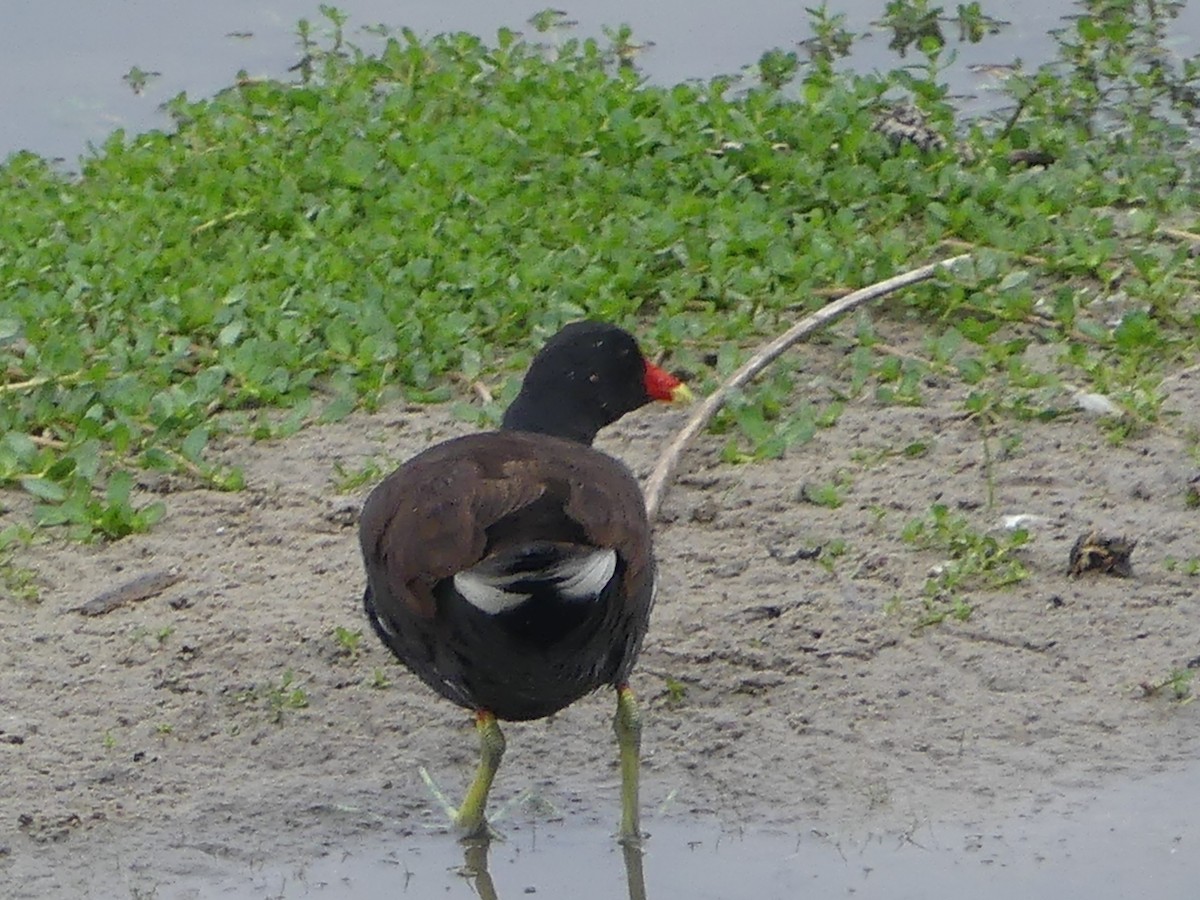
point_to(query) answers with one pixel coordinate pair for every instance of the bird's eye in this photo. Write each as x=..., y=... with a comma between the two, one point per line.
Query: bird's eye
x=593, y=378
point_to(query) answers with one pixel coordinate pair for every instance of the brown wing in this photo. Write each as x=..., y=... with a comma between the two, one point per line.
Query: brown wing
x=430, y=518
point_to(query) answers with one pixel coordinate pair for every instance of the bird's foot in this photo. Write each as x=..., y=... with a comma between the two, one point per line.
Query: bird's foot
x=631, y=841
x=468, y=827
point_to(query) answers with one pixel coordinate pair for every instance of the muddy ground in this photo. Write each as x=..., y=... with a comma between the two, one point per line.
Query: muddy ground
x=164, y=739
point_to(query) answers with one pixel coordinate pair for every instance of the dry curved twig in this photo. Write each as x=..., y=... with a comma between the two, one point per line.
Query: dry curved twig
x=656, y=486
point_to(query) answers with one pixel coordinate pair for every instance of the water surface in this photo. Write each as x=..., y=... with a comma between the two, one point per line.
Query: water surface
x=62, y=62
x=1139, y=839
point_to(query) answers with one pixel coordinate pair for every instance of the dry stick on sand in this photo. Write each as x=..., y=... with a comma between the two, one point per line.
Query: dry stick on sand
x=656, y=487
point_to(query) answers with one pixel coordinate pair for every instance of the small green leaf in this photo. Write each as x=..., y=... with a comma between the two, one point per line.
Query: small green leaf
x=44, y=490
x=120, y=484
x=339, y=407
x=193, y=445
x=1014, y=279
x=228, y=336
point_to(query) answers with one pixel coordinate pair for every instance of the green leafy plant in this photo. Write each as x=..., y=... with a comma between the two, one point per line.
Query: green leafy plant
x=973, y=23
x=778, y=67
x=246, y=274
x=765, y=423
x=913, y=22
x=18, y=582
x=347, y=641
x=1177, y=685
x=976, y=561
x=160, y=637
x=826, y=493
x=830, y=40
x=138, y=78
x=348, y=480
x=1189, y=566
x=676, y=692
x=831, y=552
x=277, y=698
x=1191, y=496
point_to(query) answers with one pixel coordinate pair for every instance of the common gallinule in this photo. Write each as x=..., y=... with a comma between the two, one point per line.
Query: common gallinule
x=512, y=570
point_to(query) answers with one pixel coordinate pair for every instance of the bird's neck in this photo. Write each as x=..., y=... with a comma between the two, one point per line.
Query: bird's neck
x=529, y=413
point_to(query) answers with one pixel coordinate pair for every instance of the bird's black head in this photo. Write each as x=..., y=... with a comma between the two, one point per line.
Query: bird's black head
x=585, y=377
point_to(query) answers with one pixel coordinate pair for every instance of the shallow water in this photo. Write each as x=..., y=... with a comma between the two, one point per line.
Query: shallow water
x=62, y=62
x=1136, y=840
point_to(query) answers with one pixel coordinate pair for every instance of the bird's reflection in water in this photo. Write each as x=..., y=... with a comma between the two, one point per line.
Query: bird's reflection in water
x=633, y=870
x=475, y=869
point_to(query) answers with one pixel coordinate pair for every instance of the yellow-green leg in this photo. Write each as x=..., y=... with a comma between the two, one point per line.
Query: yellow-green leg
x=471, y=816
x=627, y=723
x=470, y=819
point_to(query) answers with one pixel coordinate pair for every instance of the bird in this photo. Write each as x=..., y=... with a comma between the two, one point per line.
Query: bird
x=513, y=570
